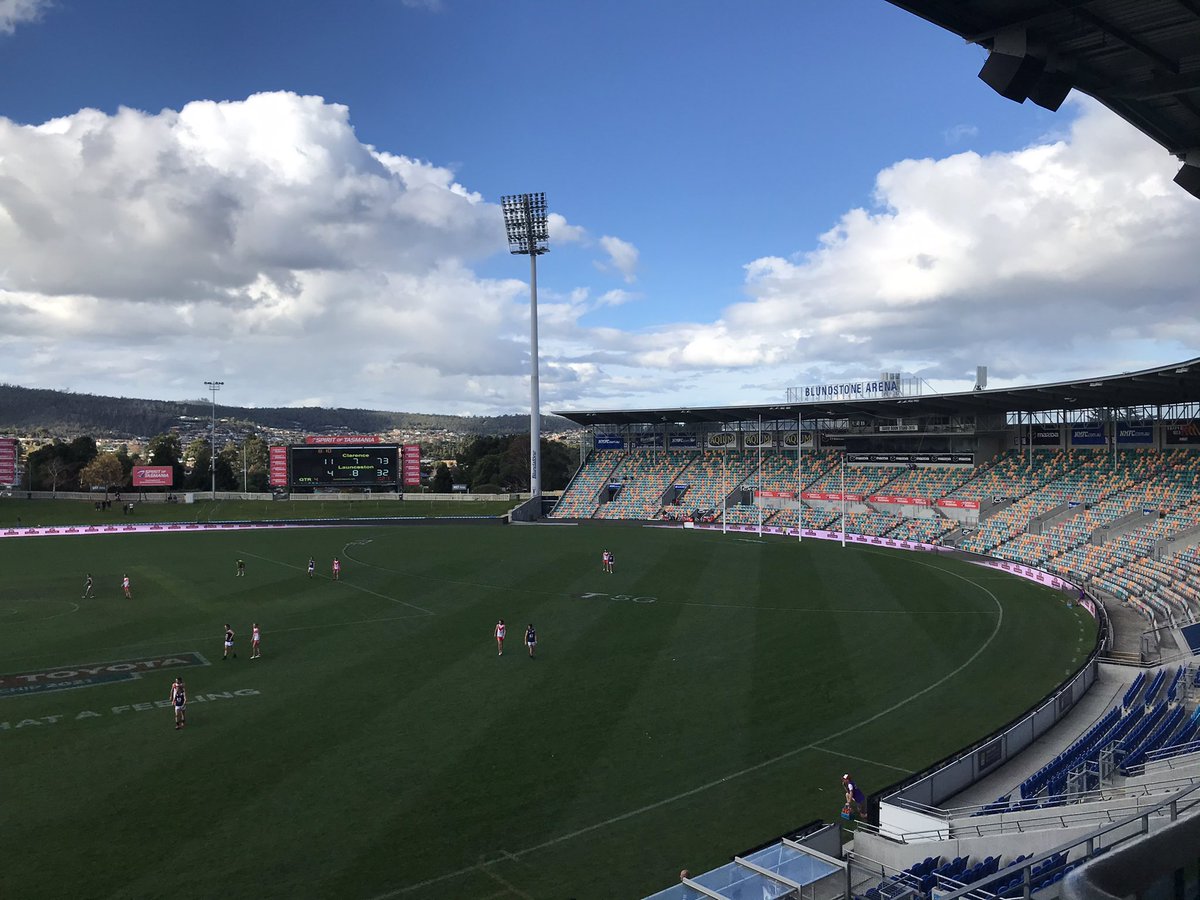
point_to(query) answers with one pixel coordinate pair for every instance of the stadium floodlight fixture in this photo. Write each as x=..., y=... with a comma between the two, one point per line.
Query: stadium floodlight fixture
x=528, y=230
x=214, y=386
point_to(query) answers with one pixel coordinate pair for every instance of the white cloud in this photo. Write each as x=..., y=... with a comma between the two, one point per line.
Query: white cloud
x=262, y=242
x=622, y=256
x=1070, y=257
x=17, y=12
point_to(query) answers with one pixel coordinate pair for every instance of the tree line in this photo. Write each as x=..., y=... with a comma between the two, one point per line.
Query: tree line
x=485, y=464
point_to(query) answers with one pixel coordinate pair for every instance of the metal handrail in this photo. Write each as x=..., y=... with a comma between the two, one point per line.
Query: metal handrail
x=1171, y=804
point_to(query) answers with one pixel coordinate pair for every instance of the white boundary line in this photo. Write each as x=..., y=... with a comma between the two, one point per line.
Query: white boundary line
x=787, y=754
x=863, y=759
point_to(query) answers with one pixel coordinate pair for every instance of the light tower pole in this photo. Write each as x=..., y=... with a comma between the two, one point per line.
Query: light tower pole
x=528, y=235
x=213, y=387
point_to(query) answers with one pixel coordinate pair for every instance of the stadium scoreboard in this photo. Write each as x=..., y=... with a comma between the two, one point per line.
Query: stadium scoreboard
x=377, y=464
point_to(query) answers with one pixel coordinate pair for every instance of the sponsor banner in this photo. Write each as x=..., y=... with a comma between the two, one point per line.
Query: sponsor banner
x=833, y=440
x=1182, y=434
x=337, y=439
x=1088, y=436
x=911, y=459
x=277, y=471
x=410, y=465
x=610, y=442
x=908, y=426
x=902, y=501
x=789, y=439
x=685, y=441
x=65, y=678
x=153, y=476
x=1135, y=433
x=1043, y=436
x=958, y=504
x=1029, y=573
x=651, y=441
x=786, y=495
x=8, y=460
x=721, y=440
x=752, y=440
x=827, y=495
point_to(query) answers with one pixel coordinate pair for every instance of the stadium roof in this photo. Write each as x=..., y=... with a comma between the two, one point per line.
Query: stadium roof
x=1140, y=58
x=1178, y=383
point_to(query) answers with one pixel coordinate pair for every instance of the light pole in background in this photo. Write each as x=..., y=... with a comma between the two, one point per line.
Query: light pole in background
x=529, y=235
x=213, y=387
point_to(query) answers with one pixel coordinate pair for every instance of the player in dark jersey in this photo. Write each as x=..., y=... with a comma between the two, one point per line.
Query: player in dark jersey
x=312, y=566
x=241, y=568
x=531, y=639
x=88, y=587
x=228, y=642
x=179, y=701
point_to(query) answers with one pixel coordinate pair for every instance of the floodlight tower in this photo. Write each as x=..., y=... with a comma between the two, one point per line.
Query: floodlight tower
x=528, y=235
x=214, y=386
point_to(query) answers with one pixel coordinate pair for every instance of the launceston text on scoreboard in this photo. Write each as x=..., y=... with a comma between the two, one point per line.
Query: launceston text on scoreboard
x=341, y=462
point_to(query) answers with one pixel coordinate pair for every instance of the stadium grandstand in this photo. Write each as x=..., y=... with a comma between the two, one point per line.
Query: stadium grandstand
x=1091, y=486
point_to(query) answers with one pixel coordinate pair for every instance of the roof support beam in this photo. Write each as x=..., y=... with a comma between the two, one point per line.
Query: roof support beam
x=1133, y=43
x=1160, y=87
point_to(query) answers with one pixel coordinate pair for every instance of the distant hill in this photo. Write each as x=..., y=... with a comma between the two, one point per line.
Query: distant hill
x=65, y=414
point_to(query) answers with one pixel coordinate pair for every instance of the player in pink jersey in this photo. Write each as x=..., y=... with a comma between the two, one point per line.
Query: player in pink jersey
x=337, y=569
x=125, y=586
x=500, y=631
x=255, y=639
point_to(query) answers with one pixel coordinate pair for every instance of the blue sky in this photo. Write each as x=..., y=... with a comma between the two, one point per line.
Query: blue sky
x=705, y=137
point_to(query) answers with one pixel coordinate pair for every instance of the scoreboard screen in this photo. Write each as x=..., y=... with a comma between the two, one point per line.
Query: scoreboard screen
x=378, y=464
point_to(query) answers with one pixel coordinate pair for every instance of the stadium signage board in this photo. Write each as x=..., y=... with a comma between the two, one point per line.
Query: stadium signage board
x=333, y=440
x=850, y=390
x=721, y=440
x=1088, y=436
x=648, y=441
x=785, y=495
x=905, y=459
x=410, y=464
x=831, y=495
x=899, y=501
x=950, y=503
x=153, y=476
x=685, y=441
x=8, y=460
x=610, y=442
x=1135, y=433
x=1182, y=434
x=1043, y=437
x=755, y=439
x=277, y=467
x=789, y=439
